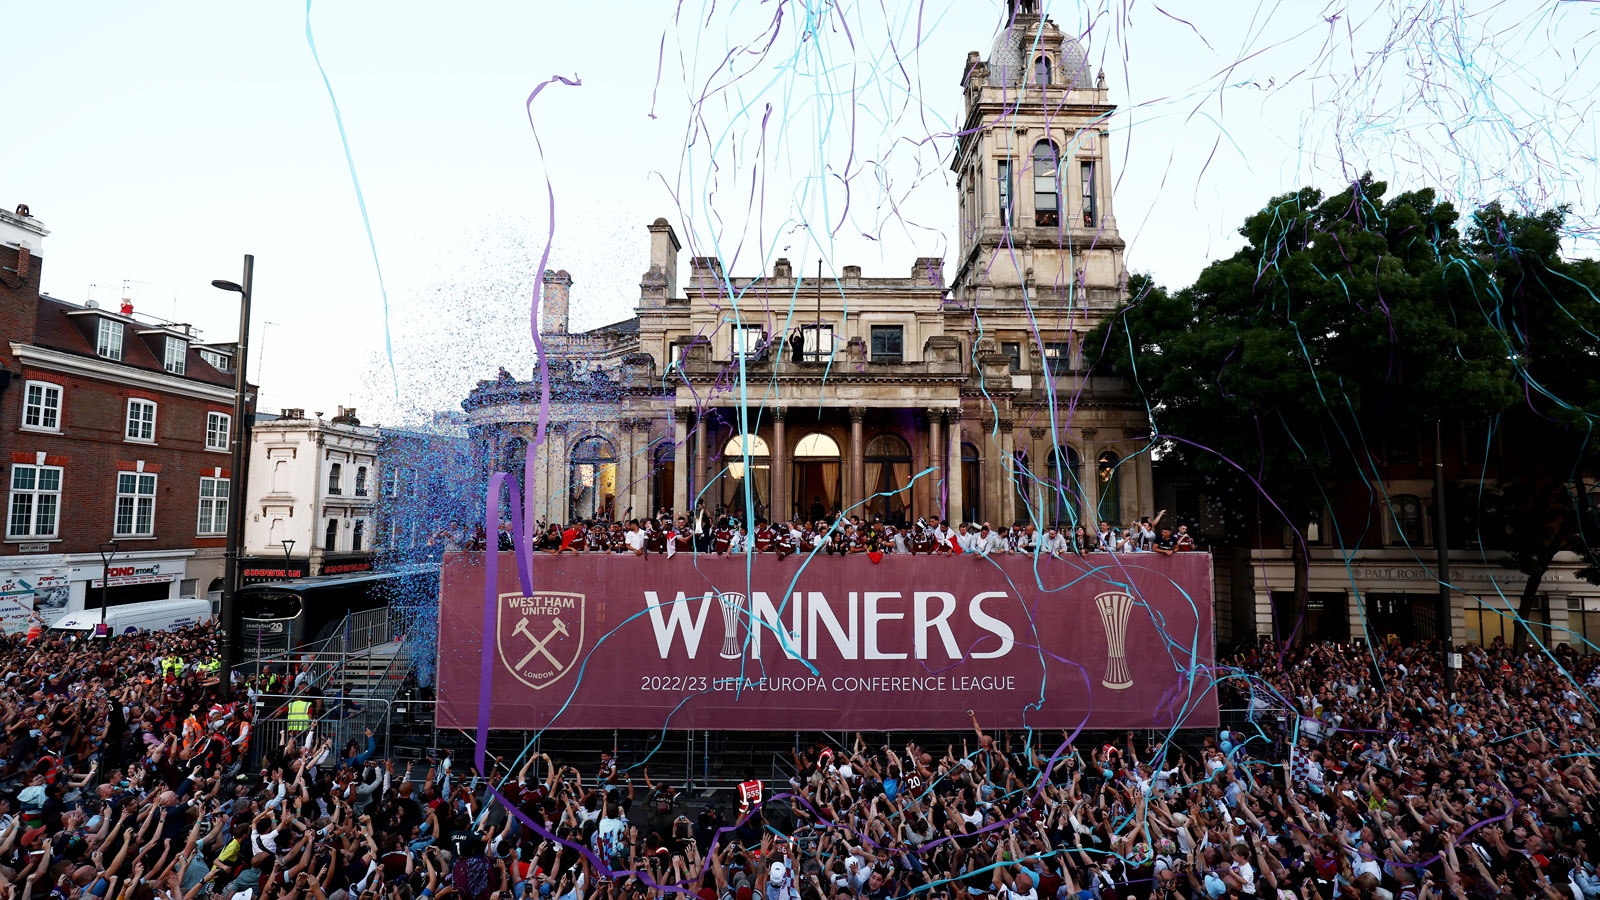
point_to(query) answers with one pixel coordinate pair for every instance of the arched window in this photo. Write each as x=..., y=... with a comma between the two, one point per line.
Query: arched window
x=1041, y=71
x=757, y=478
x=335, y=476
x=359, y=536
x=1405, y=523
x=816, y=476
x=816, y=444
x=592, y=479
x=1046, y=188
x=1110, y=508
x=888, y=474
x=1063, y=489
x=971, y=481
x=330, y=537
x=361, y=481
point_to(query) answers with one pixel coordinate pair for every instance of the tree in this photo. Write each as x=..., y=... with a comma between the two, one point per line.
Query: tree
x=1546, y=311
x=1337, y=323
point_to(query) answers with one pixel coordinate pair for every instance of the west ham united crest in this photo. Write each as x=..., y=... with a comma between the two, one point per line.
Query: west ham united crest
x=539, y=637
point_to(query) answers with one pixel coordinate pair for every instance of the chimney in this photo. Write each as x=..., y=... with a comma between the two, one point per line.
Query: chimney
x=346, y=416
x=664, y=249
x=557, y=298
x=782, y=269
x=852, y=274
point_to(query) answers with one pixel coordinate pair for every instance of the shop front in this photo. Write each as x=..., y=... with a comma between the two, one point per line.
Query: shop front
x=346, y=563
x=264, y=569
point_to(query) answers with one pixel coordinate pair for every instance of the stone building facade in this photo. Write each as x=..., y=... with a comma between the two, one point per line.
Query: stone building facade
x=958, y=395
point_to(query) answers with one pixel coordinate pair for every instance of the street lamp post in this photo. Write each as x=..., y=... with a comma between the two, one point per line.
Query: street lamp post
x=288, y=548
x=236, y=475
x=108, y=552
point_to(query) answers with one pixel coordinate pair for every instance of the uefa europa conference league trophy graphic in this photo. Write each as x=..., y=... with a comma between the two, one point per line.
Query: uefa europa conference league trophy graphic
x=732, y=611
x=1114, y=607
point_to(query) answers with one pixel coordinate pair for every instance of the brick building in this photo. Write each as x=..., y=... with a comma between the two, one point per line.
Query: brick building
x=113, y=427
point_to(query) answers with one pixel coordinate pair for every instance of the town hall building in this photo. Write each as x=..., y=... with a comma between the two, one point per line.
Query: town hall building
x=958, y=394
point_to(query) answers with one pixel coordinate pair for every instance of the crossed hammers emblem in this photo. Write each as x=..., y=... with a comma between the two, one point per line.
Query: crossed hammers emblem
x=557, y=629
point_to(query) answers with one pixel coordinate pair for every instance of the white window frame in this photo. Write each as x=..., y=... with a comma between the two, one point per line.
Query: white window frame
x=45, y=388
x=746, y=340
x=108, y=339
x=128, y=422
x=213, y=506
x=175, y=355
x=34, y=497
x=134, y=498
x=225, y=430
x=218, y=361
x=335, y=548
x=361, y=485
x=390, y=483
x=358, y=535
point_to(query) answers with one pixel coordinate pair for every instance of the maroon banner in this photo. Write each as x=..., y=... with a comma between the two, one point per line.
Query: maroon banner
x=910, y=643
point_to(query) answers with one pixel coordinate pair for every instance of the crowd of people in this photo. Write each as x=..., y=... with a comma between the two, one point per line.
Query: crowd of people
x=125, y=774
x=843, y=535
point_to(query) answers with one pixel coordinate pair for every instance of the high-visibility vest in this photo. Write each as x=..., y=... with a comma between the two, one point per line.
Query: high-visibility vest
x=172, y=666
x=299, y=714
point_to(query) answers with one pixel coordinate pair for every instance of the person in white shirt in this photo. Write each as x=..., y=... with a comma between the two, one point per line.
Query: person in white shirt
x=989, y=542
x=1054, y=543
x=634, y=539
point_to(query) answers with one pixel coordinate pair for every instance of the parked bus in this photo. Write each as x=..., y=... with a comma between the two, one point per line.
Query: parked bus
x=284, y=615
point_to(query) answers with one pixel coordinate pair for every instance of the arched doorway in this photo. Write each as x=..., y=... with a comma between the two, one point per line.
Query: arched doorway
x=887, y=475
x=1110, y=506
x=746, y=489
x=513, y=459
x=663, y=460
x=816, y=476
x=971, y=483
x=1063, y=491
x=592, y=477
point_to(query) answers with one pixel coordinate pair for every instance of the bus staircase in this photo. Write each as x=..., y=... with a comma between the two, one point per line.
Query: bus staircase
x=356, y=674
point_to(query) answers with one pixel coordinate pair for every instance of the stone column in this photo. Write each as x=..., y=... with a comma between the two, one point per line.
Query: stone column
x=858, y=490
x=1008, y=479
x=560, y=502
x=953, y=485
x=1091, y=481
x=624, y=485
x=680, y=462
x=697, y=485
x=779, y=490
x=1044, y=498
x=936, y=462
x=537, y=504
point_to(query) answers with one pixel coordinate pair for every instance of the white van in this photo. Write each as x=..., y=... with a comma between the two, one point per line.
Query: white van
x=156, y=615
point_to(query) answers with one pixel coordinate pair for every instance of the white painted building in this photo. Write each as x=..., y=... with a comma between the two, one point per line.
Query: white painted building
x=312, y=484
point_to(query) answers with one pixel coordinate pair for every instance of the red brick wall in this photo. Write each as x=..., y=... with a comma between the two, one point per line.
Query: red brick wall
x=91, y=450
x=19, y=306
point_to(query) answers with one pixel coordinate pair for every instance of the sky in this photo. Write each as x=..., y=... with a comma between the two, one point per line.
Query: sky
x=161, y=142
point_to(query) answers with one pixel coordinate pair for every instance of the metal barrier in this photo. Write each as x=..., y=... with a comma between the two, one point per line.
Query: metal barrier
x=344, y=719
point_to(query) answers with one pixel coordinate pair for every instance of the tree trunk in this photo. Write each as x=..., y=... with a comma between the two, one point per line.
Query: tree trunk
x=1293, y=631
x=1525, y=608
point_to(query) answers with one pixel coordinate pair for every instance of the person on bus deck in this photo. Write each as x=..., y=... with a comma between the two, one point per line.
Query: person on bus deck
x=1166, y=544
x=655, y=539
x=722, y=536
x=683, y=536
x=634, y=541
x=764, y=536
